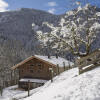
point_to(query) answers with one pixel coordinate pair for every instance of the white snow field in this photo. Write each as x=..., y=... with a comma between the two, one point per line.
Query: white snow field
x=11, y=92
x=66, y=86
x=71, y=86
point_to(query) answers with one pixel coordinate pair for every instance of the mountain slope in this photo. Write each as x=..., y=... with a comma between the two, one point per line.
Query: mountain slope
x=18, y=40
x=17, y=24
x=71, y=86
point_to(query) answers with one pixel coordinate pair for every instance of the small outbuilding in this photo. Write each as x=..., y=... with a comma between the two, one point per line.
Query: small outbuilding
x=39, y=69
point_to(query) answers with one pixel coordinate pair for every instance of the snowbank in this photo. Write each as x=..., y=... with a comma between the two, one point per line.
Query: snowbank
x=13, y=92
x=67, y=86
x=71, y=86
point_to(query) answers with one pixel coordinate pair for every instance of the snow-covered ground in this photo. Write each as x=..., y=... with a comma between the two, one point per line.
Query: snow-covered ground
x=13, y=92
x=67, y=86
x=71, y=86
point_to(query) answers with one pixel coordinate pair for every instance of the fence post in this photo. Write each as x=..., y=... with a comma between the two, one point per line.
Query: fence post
x=74, y=63
x=28, y=88
x=14, y=77
x=69, y=65
x=58, y=68
x=1, y=90
x=80, y=70
x=64, y=66
x=3, y=83
x=51, y=74
x=11, y=78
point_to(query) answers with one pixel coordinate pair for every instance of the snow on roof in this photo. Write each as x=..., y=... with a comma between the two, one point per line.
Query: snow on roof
x=55, y=60
x=33, y=80
x=52, y=61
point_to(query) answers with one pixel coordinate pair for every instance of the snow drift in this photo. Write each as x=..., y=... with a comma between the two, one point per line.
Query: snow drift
x=71, y=86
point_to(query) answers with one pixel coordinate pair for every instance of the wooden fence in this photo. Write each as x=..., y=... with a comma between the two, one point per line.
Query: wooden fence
x=89, y=62
x=9, y=78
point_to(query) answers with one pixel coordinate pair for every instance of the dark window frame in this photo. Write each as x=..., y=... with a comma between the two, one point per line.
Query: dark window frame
x=31, y=71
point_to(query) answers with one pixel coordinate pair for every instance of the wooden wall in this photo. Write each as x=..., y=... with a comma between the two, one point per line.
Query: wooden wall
x=38, y=69
x=35, y=69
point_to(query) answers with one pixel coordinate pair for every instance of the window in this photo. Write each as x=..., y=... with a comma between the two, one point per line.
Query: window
x=32, y=65
x=31, y=71
x=40, y=69
x=40, y=66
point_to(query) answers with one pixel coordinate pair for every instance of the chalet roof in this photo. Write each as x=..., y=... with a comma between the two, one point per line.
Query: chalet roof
x=53, y=61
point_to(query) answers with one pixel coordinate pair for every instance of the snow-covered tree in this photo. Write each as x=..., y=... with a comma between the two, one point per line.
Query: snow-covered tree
x=70, y=34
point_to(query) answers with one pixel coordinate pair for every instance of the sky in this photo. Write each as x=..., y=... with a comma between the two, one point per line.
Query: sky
x=52, y=6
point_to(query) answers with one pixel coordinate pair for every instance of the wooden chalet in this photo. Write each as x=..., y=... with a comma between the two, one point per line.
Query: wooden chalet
x=88, y=62
x=39, y=69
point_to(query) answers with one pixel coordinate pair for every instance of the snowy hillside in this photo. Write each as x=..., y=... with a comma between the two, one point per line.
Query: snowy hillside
x=18, y=41
x=71, y=86
x=67, y=86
